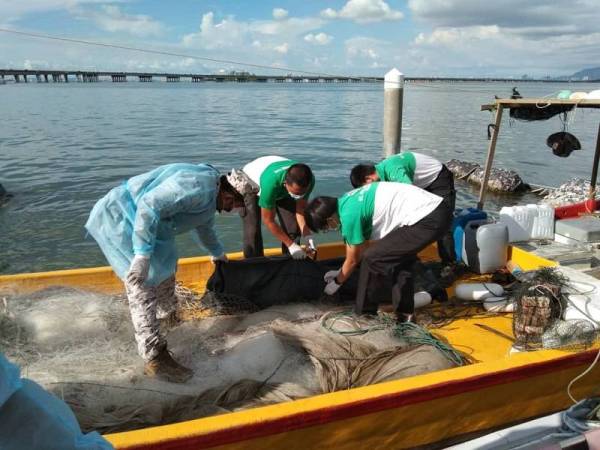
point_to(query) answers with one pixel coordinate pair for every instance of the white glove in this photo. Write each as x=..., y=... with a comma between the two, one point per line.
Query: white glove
x=309, y=241
x=139, y=268
x=331, y=275
x=222, y=257
x=296, y=251
x=332, y=287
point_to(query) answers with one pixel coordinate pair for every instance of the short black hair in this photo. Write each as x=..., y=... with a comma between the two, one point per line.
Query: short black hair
x=226, y=186
x=359, y=173
x=299, y=174
x=318, y=211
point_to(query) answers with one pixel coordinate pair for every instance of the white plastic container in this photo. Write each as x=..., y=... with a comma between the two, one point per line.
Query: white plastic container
x=518, y=220
x=543, y=222
x=528, y=222
x=478, y=291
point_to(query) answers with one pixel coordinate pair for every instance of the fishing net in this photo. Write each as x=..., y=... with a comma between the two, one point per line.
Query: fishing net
x=80, y=346
x=541, y=316
x=538, y=304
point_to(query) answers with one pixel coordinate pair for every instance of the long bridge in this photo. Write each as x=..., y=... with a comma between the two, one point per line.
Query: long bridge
x=84, y=76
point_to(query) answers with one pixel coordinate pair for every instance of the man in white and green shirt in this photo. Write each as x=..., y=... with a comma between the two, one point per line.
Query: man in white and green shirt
x=278, y=186
x=384, y=226
x=421, y=170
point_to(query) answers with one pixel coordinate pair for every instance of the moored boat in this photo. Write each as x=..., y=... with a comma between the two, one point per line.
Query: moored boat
x=497, y=389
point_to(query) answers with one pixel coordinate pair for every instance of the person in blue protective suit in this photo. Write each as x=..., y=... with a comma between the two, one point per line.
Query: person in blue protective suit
x=32, y=418
x=135, y=225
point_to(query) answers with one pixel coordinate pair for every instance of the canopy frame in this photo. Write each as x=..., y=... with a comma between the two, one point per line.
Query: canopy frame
x=500, y=104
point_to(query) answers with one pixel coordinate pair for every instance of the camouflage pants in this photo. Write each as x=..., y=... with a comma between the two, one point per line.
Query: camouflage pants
x=147, y=304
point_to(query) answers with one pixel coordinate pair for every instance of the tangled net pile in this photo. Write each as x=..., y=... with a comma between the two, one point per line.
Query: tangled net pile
x=80, y=346
x=541, y=300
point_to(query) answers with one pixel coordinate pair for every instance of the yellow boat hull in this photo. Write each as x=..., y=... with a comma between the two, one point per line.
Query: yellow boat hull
x=497, y=390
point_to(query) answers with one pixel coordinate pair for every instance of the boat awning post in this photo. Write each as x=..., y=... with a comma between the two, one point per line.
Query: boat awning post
x=490, y=157
x=592, y=194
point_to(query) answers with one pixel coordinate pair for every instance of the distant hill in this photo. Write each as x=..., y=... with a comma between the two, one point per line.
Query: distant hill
x=586, y=74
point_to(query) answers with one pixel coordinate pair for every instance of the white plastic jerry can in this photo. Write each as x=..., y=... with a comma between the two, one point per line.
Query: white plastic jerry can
x=543, y=222
x=518, y=220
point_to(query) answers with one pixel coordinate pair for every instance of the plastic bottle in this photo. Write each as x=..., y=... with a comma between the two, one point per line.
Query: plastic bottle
x=513, y=268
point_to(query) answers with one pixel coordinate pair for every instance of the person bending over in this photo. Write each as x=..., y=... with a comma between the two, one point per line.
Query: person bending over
x=135, y=226
x=421, y=170
x=274, y=186
x=384, y=226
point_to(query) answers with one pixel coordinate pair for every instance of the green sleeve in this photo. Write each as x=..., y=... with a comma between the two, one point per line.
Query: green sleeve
x=352, y=230
x=268, y=195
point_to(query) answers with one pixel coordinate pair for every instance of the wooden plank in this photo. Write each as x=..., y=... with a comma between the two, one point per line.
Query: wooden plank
x=540, y=102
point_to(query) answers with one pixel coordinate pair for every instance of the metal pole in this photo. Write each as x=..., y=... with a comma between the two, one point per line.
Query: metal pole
x=392, y=111
x=490, y=157
x=592, y=193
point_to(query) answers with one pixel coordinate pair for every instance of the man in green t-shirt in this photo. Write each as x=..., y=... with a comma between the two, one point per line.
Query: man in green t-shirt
x=279, y=187
x=384, y=226
x=421, y=170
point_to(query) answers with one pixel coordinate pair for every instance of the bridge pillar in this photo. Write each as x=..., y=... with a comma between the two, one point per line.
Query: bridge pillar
x=38, y=77
x=45, y=77
x=25, y=78
x=66, y=77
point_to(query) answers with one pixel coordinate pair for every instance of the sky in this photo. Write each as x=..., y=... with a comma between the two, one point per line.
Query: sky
x=452, y=38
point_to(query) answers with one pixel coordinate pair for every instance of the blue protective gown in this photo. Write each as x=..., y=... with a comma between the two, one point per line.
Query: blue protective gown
x=143, y=215
x=31, y=418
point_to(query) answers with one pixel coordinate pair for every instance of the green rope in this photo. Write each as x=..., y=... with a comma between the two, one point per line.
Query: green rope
x=410, y=332
x=416, y=334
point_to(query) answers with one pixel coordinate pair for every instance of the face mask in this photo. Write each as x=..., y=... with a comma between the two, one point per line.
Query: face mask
x=296, y=196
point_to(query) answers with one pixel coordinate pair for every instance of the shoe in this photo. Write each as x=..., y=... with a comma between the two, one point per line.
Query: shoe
x=166, y=368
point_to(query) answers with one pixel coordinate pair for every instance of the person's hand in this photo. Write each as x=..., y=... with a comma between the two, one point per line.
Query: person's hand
x=332, y=287
x=296, y=251
x=139, y=268
x=331, y=275
x=309, y=241
x=222, y=257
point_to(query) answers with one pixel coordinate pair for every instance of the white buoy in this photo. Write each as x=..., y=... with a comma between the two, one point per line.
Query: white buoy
x=478, y=291
x=422, y=298
x=393, y=87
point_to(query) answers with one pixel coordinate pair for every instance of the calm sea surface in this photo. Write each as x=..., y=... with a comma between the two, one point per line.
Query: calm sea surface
x=63, y=146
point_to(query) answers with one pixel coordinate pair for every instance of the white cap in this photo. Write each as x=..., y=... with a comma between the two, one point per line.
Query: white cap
x=394, y=79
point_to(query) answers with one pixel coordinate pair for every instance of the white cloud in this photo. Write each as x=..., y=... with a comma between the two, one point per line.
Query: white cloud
x=224, y=34
x=364, y=49
x=11, y=10
x=454, y=36
x=319, y=38
x=280, y=13
x=111, y=18
x=283, y=48
x=364, y=11
x=252, y=35
x=329, y=13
